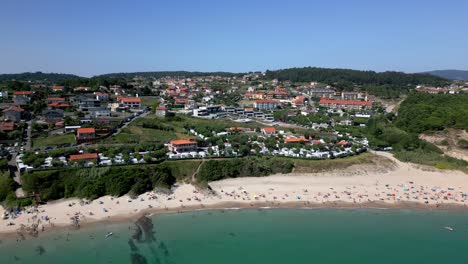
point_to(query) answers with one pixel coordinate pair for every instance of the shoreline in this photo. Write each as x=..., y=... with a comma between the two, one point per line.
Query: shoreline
x=299, y=205
x=401, y=186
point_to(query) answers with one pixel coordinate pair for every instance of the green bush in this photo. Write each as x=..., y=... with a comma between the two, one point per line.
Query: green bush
x=213, y=170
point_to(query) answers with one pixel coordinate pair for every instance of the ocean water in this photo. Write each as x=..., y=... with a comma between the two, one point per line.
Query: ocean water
x=259, y=236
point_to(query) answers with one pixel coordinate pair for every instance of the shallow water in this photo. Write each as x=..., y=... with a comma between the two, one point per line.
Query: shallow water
x=260, y=236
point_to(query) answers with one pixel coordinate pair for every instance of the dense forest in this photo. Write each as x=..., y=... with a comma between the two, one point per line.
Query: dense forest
x=384, y=84
x=37, y=76
x=422, y=112
x=160, y=74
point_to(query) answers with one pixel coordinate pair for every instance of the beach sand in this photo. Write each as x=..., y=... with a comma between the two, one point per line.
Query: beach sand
x=402, y=186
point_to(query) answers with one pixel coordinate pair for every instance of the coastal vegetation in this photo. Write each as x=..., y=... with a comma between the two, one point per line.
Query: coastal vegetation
x=422, y=112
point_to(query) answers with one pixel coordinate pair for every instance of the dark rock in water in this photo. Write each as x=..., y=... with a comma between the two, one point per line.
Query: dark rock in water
x=145, y=228
x=16, y=258
x=40, y=250
x=137, y=234
x=132, y=245
x=138, y=259
x=232, y=234
x=164, y=249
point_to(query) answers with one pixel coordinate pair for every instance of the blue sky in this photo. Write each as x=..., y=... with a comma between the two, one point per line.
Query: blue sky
x=93, y=37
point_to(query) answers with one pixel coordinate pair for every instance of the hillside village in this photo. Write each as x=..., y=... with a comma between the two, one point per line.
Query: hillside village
x=147, y=119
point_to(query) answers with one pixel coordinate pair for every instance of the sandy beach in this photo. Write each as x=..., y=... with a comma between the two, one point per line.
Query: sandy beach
x=403, y=186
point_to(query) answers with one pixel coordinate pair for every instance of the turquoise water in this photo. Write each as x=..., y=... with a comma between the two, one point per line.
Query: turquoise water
x=261, y=236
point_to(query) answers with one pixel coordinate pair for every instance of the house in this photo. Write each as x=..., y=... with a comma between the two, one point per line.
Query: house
x=268, y=131
x=101, y=96
x=131, y=102
x=57, y=102
x=321, y=93
x=85, y=135
x=349, y=104
x=161, y=111
x=81, y=89
x=59, y=105
x=298, y=102
x=21, y=100
x=86, y=103
x=182, y=145
x=13, y=113
x=52, y=115
x=58, y=88
x=295, y=140
x=7, y=126
x=91, y=157
x=266, y=104
x=24, y=93
x=97, y=113
x=181, y=101
x=4, y=94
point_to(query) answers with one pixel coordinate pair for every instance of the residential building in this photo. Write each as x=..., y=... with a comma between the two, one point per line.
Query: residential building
x=21, y=100
x=7, y=126
x=182, y=145
x=131, y=102
x=295, y=140
x=321, y=93
x=58, y=88
x=98, y=113
x=13, y=113
x=52, y=115
x=161, y=111
x=85, y=134
x=298, y=102
x=268, y=131
x=4, y=94
x=92, y=157
x=348, y=104
x=101, y=96
x=266, y=104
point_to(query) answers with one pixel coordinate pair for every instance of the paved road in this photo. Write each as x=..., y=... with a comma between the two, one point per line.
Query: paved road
x=128, y=123
x=28, y=139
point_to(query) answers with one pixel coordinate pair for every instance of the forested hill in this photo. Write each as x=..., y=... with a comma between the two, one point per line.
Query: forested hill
x=160, y=74
x=346, y=76
x=37, y=76
x=384, y=84
x=451, y=74
x=422, y=112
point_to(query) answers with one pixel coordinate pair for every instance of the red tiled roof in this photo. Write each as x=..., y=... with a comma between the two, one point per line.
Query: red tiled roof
x=56, y=87
x=14, y=108
x=131, y=100
x=269, y=129
x=343, y=102
x=183, y=141
x=86, y=130
x=85, y=156
x=55, y=99
x=296, y=140
x=23, y=93
x=161, y=108
x=266, y=101
x=7, y=126
x=59, y=105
